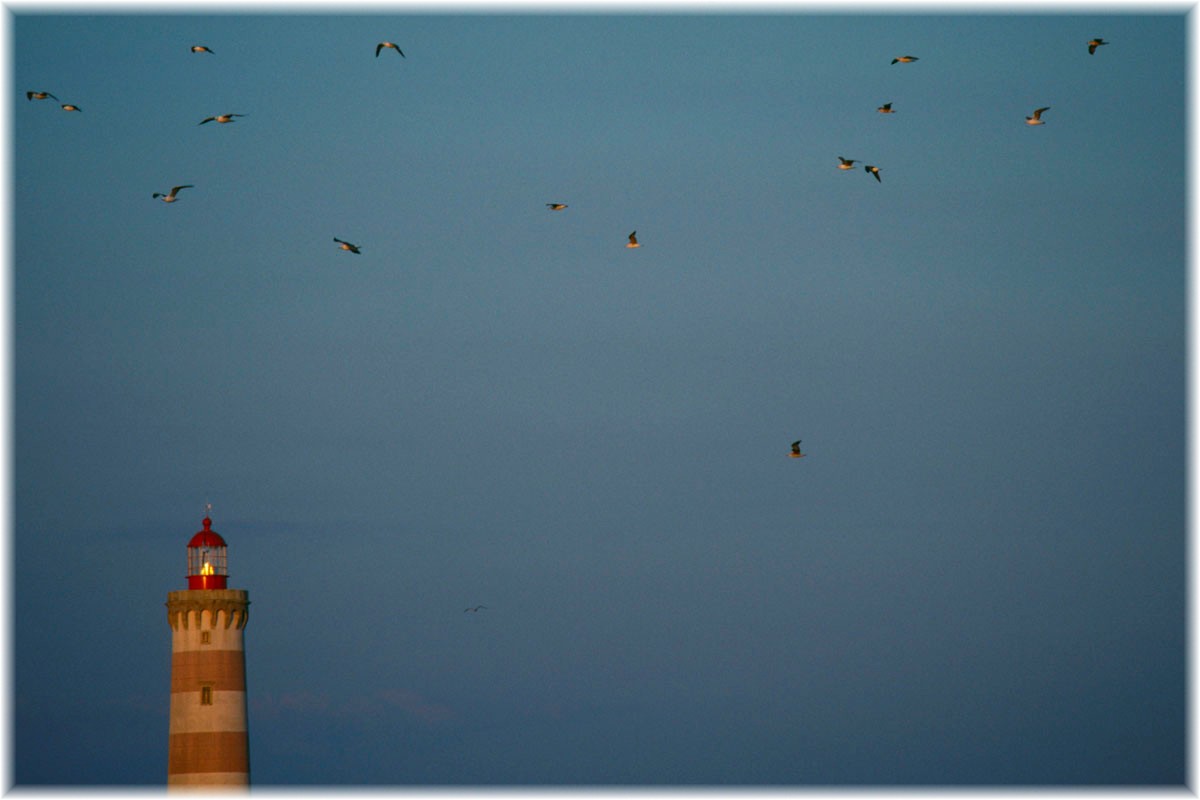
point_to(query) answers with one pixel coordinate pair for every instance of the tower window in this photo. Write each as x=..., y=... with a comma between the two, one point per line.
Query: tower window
x=205, y=637
x=206, y=695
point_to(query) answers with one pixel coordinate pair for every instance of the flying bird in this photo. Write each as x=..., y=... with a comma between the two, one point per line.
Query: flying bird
x=1094, y=43
x=556, y=206
x=382, y=45
x=70, y=107
x=904, y=59
x=475, y=609
x=199, y=48
x=39, y=96
x=847, y=163
x=633, y=242
x=1036, y=119
x=169, y=197
x=353, y=248
x=886, y=108
x=874, y=171
x=796, y=450
x=220, y=118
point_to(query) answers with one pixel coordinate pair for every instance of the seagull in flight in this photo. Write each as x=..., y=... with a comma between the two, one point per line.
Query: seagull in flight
x=904, y=59
x=1036, y=119
x=199, y=48
x=170, y=196
x=633, y=242
x=70, y=107
x=353, y=248
x=886, y=108
x=1094, y=43
x=39, y=96
x=220, y=118
x=847, y=163
x=474, y=609
x=382, y=45
x=874, y=171
x=556, y=206
x=796, y=450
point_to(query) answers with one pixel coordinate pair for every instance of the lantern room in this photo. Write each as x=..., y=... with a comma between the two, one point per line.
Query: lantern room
x=207, y=568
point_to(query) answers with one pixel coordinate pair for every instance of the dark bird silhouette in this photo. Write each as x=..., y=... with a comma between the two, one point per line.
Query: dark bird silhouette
x=633, y=242
x=874, y=171
x=199, y=48
x=847, y=163
x=886, y=108
x=904, y=59
x=475, y=608
x=395, y=47
x=796, y=450
x=353, y=248
x=1094, y=43
x=169, y=197
x=556, y=206
x=220, y=118
x=39, y=96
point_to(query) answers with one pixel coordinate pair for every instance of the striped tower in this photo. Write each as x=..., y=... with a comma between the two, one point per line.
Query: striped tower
x=208, y=746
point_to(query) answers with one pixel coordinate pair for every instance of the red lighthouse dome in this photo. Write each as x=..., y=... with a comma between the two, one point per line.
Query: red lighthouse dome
x=207, y=568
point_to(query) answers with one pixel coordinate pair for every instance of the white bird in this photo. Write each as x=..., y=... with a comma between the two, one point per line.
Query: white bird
x=39, y=96
x=1036, y=119
x=220, y=118
x=556, y=206
x=633, y=242
x=199, y=48
x=169, y=197
x=382, y=45
x=353, y=248
x=847, y=163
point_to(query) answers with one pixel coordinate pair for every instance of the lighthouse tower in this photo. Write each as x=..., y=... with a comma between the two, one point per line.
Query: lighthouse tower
x=208, y=746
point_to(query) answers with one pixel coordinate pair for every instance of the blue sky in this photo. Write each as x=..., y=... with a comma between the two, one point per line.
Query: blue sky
x=975, y=577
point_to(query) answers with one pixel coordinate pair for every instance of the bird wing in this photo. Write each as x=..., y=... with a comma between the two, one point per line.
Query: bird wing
x=378, y=47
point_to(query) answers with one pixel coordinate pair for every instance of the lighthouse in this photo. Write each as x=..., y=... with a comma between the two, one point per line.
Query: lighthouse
x=208, y=748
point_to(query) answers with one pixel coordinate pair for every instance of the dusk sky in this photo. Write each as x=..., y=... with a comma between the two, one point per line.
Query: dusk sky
x=975, y=577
